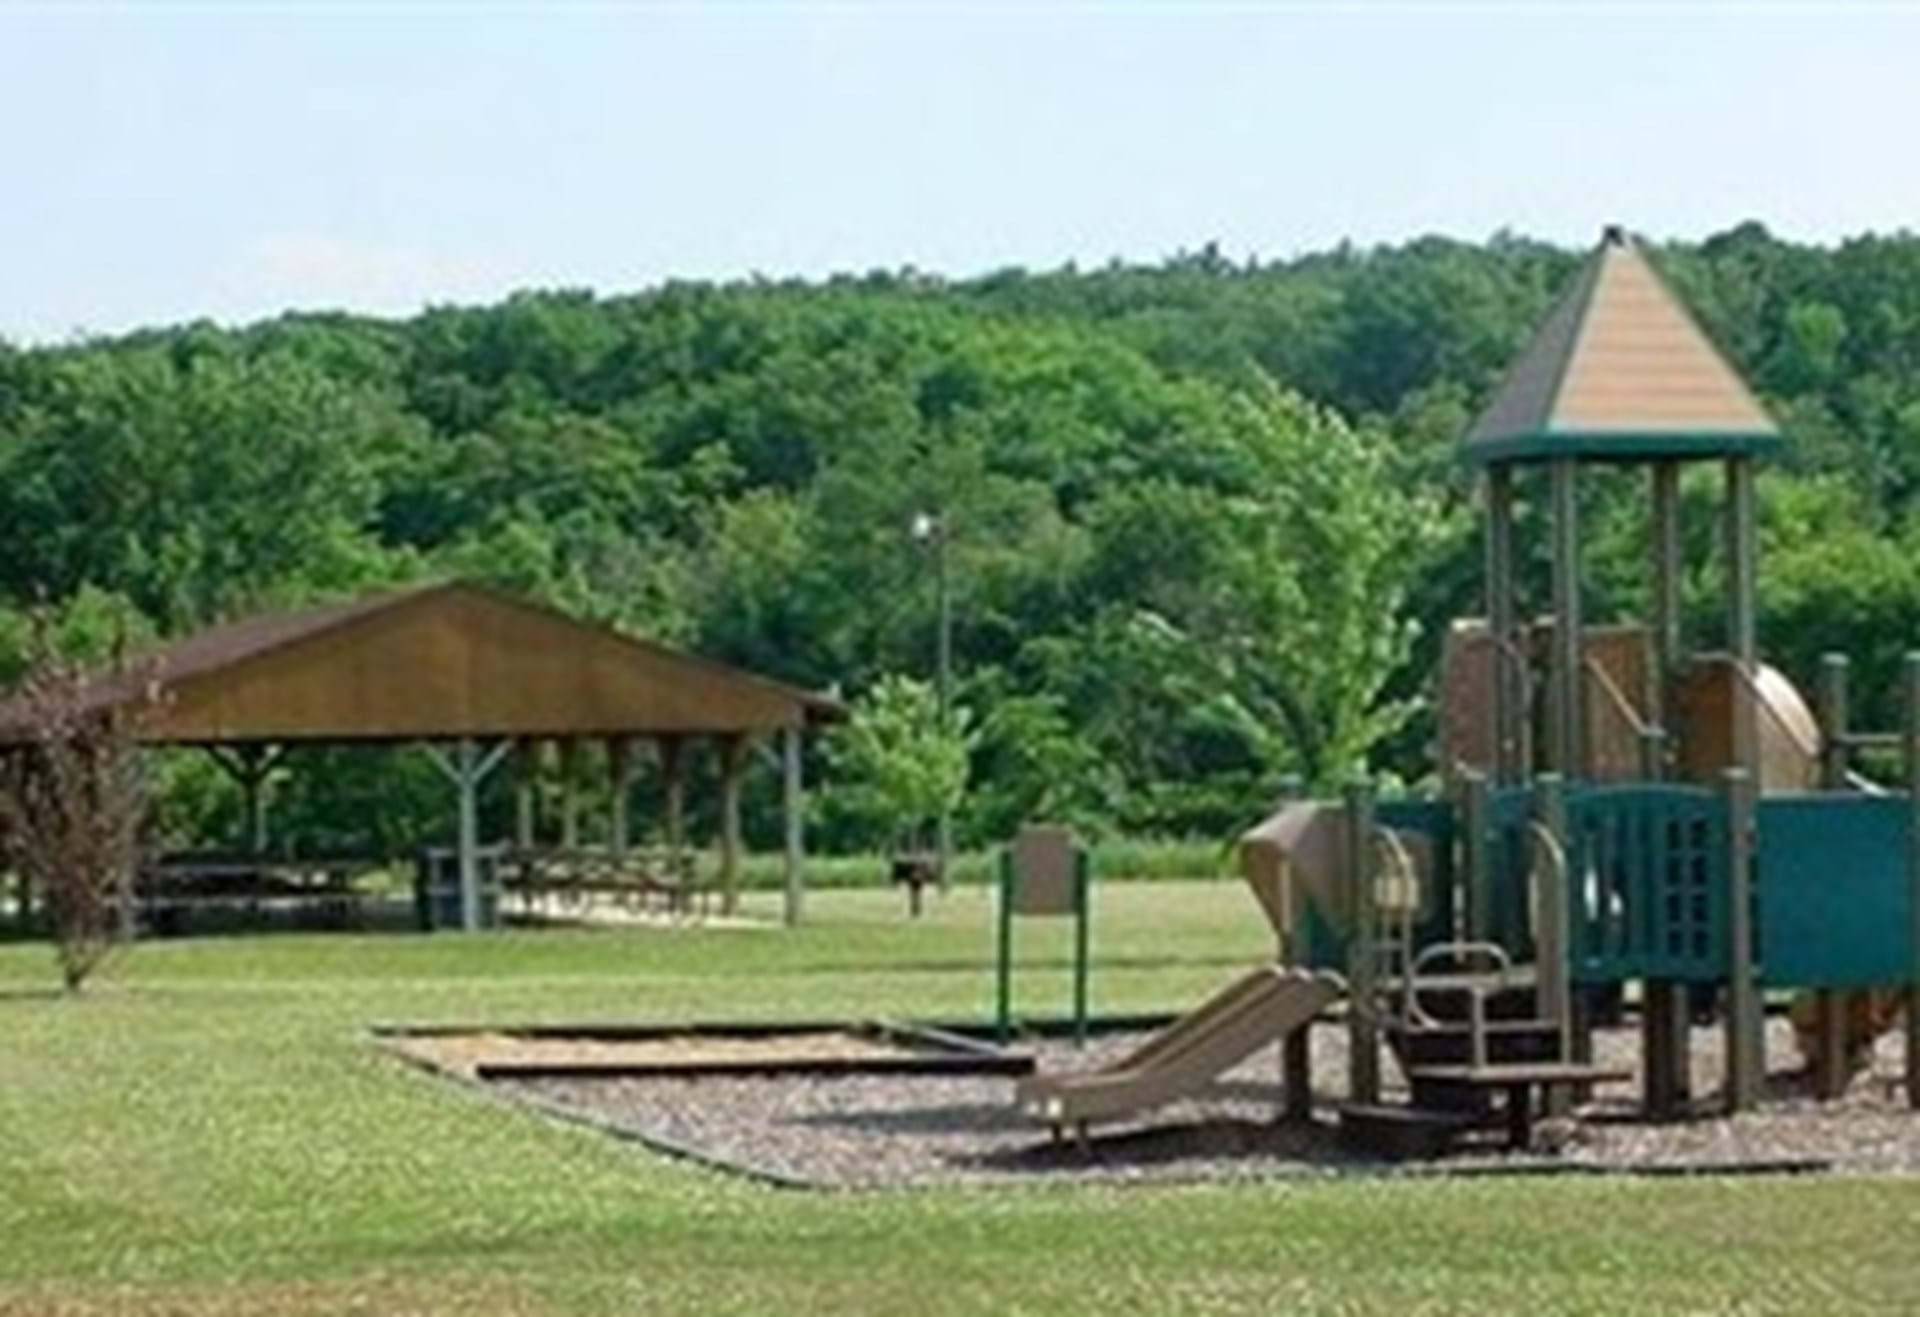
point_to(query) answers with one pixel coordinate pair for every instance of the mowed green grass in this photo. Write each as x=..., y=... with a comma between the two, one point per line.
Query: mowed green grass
x=208, y=1131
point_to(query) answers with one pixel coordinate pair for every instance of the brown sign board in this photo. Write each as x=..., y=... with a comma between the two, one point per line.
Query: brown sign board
x=1046, y=865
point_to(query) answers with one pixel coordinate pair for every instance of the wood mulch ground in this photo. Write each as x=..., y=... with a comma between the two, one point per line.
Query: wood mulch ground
x=895, y=1129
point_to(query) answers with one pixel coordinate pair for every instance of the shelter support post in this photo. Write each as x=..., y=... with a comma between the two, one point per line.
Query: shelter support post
x=249, y=764
x=570, y=792
x=620, y=779
x=1830, y=1074
x=673, y=780
x=733, y=768
x=1568, y=708
x=467, y=767
x=1910, y=738
x=1746, y=1064
x=1363, y=1036
x=793, y=806
x=526, y=772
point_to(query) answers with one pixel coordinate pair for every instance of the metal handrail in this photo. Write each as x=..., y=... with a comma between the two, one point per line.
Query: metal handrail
x=1394, y=931
x=1417, y=1014
x=1865, y=785
x=1554, y=1008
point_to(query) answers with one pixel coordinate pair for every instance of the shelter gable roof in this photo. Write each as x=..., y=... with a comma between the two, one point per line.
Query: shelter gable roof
x=444, y=661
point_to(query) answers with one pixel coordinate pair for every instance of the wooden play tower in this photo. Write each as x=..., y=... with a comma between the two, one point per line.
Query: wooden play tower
x=1618, y=374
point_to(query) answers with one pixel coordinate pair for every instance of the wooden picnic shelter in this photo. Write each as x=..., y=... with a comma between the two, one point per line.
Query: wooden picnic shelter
x=477, y=677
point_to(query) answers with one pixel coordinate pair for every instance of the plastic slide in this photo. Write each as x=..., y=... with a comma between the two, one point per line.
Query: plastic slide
x=1251, y=1012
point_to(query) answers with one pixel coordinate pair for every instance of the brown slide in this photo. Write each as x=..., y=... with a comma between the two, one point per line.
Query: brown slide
x=1248, y=1014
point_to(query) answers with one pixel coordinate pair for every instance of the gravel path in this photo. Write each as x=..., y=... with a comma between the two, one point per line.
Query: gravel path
x=885, y=1130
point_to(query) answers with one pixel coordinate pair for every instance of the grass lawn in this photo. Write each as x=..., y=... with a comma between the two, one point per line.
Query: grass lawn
x=207, y=1131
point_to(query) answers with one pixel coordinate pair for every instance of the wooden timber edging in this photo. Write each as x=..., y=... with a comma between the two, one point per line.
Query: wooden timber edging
x=924, y=1051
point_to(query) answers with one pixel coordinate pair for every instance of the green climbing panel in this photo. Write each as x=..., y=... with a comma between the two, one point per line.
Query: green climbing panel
x=1831, y=877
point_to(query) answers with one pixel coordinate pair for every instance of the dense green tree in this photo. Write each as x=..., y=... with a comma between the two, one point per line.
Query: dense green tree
x=1205, y=519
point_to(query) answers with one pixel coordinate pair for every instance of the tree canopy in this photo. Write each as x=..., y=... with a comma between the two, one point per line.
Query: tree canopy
x=1206, y=525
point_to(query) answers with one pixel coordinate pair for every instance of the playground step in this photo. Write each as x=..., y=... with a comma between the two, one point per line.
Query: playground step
x=1508, y=1042
x=1400, y=1133
x=1529, y=1072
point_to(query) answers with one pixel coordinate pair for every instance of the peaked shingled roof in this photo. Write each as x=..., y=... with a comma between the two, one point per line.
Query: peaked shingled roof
x=1620, y=370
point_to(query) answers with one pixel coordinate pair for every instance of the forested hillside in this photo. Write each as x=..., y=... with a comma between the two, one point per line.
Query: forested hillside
x=1206, y=525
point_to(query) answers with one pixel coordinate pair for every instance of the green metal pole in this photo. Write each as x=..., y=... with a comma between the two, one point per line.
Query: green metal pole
x=945, y=833
x=1569, y=689
x=1475, y=809
x=1082, y=918
x=1911, y=739
x=1830, y=1004
x=1508, y=715
x=1745, y=1058
x=1666, y=586
x=1553, y=955
x=1664, y=1026
x=1553, y=952
x=1003, y=1013
x=1741, y=558
x=1363, y=1059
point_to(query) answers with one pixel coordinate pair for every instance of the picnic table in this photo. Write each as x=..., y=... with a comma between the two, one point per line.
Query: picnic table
x=571, y=878
x=171, y=888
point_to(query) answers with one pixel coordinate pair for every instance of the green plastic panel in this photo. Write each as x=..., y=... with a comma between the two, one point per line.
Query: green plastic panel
x=1647, y=873
x=1831, y=876
x=1510, y=860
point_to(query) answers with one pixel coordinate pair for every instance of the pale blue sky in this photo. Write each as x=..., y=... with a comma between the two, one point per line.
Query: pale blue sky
x=162, y=162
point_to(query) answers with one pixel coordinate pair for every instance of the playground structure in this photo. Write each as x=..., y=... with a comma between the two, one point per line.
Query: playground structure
x=1616, y=810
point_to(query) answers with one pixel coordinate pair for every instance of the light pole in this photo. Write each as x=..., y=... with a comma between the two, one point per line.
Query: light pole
x=930, y=528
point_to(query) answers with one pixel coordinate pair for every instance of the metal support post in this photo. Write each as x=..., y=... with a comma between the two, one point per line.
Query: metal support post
x=1509, y=715
x=1569, y=704
x=1830, y=1074
x=1746, y=1063
x=793, y=805
x=1476, y=808
x=1363, y=1038
x=1741, y=635
x=1911, y=744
